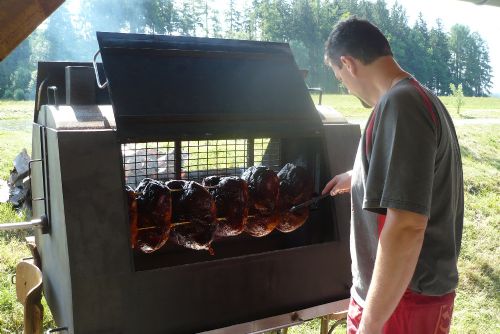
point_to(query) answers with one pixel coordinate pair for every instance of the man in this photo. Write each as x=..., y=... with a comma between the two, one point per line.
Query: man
x=406, y=190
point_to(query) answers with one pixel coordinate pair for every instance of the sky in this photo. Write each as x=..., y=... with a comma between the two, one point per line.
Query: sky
x=482, y=19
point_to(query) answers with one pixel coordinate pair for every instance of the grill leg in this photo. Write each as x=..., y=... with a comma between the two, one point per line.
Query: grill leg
x=324, y=325
x=338, y=319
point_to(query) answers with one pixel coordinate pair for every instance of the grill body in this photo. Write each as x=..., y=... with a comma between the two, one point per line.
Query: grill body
x=95, y=283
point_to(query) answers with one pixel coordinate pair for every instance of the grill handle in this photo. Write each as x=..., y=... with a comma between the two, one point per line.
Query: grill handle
x=41, y=222
x=96, y=71
x=52, y=90
x=318, y=90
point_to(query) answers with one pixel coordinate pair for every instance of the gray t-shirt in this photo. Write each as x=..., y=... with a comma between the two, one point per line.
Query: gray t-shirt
x=409, y=159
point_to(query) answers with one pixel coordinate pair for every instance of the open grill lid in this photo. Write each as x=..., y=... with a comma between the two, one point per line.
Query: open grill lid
x=186, y=87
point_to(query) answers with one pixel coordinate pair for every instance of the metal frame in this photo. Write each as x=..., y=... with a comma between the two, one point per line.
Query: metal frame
x=284, y=320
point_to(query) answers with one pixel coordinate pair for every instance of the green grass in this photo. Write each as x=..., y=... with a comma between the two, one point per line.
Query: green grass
x=15, y=132
x=475, y=107
x=16, y=109
x=477, y=306
x=13, y=249
x=11, y=143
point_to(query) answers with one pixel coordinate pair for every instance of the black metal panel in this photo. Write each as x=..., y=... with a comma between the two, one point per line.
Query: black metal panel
x=108, y=293
x=169, y=85
x=210, y=295
x=54, y=74
x=80, y=85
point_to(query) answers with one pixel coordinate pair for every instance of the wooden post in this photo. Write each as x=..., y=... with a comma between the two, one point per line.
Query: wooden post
x=29, y=293
x=324, y=325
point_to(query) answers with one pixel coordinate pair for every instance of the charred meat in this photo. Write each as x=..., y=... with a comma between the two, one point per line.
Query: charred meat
x=295, y=187
x=193, y=216
x=263, y=191
x=231, y=200
x=154, y=215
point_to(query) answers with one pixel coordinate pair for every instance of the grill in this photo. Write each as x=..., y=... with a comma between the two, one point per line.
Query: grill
x=182, y=108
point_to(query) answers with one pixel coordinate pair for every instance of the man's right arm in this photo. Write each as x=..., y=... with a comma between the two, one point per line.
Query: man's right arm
x=340, y=184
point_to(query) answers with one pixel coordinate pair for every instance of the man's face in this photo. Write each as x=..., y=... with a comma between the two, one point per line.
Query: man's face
x=346, y=78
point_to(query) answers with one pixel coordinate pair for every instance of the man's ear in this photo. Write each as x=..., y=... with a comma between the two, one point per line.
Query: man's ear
x=350, y=64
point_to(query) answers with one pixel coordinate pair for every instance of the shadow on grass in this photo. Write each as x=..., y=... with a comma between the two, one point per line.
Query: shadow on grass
x=468, y=153
x=488, y=280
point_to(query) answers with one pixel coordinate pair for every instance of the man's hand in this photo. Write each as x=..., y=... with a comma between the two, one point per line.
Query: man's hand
x=339, y=184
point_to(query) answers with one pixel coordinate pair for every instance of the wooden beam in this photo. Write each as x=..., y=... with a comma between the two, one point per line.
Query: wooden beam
x=18, y=19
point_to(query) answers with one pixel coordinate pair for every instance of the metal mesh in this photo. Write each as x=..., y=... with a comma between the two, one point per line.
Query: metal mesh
x=267, y=153
x=198, y=159
x=154, y=160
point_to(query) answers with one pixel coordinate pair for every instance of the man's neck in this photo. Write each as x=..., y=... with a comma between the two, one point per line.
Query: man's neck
x=383, y=74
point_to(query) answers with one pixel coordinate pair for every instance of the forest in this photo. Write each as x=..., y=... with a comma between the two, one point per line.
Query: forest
x=436, y=57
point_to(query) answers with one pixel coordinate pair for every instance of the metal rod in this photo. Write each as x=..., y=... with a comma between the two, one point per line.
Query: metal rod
x=23, y=225
x=178, y=159
x=96, y=71
x=46, y=181
x=250, y=152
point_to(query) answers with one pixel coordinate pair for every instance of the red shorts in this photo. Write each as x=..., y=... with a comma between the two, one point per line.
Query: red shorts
x=415, y=314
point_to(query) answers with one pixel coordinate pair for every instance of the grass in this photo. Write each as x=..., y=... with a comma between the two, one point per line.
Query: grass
x=475, y=107
x=477, y=307
x=15, y=132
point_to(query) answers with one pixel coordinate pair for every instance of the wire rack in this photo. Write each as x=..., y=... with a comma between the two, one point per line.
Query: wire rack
x=195, y=160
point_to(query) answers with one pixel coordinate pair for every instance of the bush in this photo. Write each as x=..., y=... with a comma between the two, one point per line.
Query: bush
x=458, y=96
x=18, y=94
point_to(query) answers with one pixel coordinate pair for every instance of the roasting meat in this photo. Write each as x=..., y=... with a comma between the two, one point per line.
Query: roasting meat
x=263, y=190
x=154, y=215
x=132, y=214
x=295, y=188
x=193, y=216
x=231, y=200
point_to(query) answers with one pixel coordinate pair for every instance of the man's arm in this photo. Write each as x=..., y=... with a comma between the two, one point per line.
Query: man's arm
x=397, y=255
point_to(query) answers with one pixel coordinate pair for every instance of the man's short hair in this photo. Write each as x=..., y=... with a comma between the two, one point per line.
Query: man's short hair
x=357, y=38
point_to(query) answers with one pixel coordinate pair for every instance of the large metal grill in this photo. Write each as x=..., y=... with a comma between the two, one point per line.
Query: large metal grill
x=182, y=108
x=194, y=160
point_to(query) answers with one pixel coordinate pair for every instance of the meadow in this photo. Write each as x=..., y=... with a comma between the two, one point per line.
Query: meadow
x=477, y=306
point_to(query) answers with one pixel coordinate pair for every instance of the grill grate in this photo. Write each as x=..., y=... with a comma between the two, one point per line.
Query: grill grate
x=194, y=160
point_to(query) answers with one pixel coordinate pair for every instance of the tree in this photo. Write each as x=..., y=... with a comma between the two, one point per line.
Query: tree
x=458, y=96
x=216, y=28
x=189, y=18
x=469, y=61
x=478, y=70
x=61, y=37
x=440, y=60
x=275, y=20
x=435, y=57
x=15, y=72
x=160, y=16
x=420, y=62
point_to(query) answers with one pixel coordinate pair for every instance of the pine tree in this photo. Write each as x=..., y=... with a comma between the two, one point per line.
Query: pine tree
x=440, y=60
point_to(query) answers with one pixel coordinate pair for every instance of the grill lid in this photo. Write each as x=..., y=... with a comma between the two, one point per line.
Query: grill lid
x=186, y=87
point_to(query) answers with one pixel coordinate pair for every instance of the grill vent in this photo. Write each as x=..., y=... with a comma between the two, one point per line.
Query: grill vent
x=195, y=160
